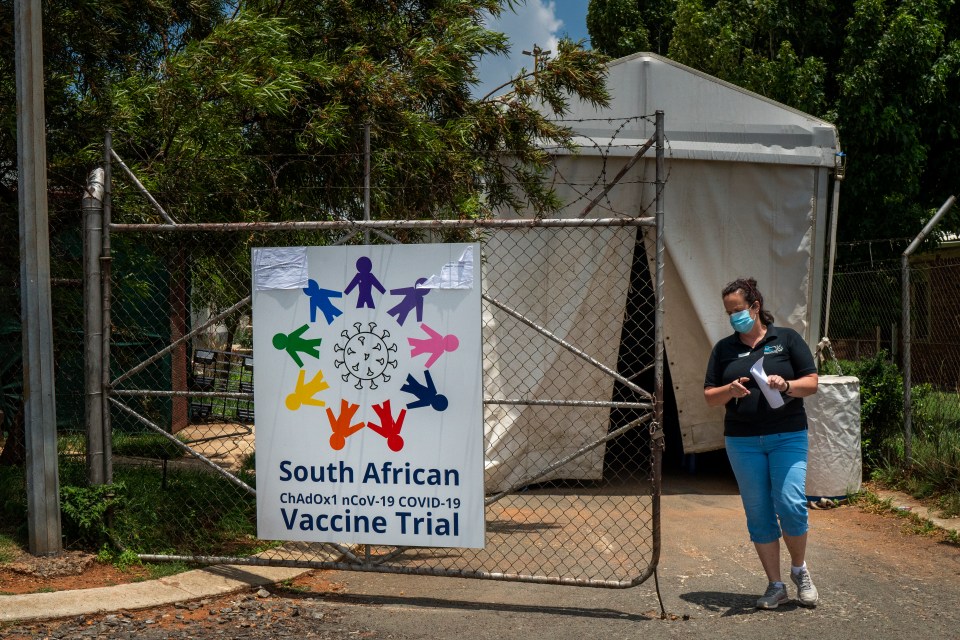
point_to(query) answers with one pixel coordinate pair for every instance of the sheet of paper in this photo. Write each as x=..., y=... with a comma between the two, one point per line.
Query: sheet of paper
x=774, y=399
x=280, y=268
x=453, y=275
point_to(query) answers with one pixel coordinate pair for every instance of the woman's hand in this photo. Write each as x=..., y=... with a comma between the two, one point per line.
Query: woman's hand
x=778, y=383
x=738, y=388
x=719, y=396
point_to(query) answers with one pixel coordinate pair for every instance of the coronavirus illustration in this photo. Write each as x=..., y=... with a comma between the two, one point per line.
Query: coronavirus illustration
x=367, y=355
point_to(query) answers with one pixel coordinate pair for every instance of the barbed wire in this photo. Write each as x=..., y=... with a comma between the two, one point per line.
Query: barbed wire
x=582, y=191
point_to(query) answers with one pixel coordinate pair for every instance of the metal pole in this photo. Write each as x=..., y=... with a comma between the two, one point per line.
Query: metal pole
x=835, y=209
x=40, y=415
x=905, y=320
x=907, y=334
x=656, y=428
x=373, y=225
x=366, y=180
x=105, y=270
x=93, y=326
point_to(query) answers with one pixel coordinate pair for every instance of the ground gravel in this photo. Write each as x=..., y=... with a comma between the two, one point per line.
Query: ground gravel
x=246, y=616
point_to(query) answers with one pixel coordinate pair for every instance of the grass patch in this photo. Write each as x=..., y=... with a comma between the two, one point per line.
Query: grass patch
x=163, y=569
x=146, y=445
x=185, y=511
x=872, y=503
x=289, y=587
x=9, y=549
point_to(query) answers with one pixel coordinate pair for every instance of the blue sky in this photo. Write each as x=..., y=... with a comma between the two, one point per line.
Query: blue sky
x=540, y=22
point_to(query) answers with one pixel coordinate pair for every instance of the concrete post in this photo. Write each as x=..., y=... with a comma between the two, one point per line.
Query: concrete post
x=40, y=412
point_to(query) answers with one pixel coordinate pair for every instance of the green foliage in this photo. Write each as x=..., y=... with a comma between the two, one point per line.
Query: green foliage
x=621, y=27
x=8, y=548
x=886, y=72
x=881, y=399
x=196, y=512
x=157, y=570
x=11, y=373
x=86, y=511
x=935, y=443
x=146, y=445
x=13, y=502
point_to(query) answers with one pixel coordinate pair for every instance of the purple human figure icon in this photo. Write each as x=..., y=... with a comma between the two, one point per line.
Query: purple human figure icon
x=320, y=299
x=426, y=394
x=412, y=299
x=436, y=345
x=364, y=281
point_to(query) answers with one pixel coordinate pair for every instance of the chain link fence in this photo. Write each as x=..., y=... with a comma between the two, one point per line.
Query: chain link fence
x=569, y=395
x=867, y=323
x=867, y=315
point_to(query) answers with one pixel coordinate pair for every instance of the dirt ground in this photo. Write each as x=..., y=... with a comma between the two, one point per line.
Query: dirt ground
x=876, y=569
x=879, y=531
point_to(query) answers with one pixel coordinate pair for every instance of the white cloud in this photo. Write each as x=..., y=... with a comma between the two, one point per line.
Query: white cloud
x=533, y=22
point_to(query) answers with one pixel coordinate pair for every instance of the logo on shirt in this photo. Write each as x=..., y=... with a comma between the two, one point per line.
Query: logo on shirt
x=744, y=355
x=773, y=348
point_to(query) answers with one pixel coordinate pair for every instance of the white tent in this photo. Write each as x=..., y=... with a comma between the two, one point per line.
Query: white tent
x=746, y=195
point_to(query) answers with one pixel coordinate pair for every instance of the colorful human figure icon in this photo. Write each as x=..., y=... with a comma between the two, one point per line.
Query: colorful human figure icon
x=436, y=345
x=294, y=344
x=426, y=394
x=364, y=281
x=388, y=427
x=412, y=299
x=304, y=391
x=320, y=299
x=342, y=429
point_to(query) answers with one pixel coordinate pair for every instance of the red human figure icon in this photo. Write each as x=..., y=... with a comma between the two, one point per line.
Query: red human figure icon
x=342, y=429
x=436, y=345
x=389, y=428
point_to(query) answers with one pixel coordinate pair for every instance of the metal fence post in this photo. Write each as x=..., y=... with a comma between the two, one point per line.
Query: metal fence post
x=93, y=326
x=105, y=270
x=907, y=335
x=657, y=435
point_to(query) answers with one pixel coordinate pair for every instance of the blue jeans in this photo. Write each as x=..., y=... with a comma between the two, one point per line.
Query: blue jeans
x=771, y=472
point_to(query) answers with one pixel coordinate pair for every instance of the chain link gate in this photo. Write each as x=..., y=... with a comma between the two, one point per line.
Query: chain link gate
x=178, y=393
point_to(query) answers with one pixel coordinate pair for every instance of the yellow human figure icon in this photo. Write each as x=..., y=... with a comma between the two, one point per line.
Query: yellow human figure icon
x=304, y=392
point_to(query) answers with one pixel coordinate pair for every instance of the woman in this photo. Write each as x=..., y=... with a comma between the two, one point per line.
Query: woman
x=767, y=446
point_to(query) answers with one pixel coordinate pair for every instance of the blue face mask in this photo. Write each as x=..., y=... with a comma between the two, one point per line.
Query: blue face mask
x=741, y=321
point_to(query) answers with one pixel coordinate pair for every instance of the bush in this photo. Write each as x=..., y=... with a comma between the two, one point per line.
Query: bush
x=881, y=403
x=86, y=512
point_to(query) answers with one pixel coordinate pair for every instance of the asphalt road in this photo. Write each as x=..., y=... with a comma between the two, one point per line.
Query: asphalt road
x=875, y=581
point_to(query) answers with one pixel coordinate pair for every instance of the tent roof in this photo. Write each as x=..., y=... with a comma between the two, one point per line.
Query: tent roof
x=704, y=118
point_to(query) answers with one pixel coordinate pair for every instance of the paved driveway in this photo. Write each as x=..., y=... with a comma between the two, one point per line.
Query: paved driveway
x=875, y=581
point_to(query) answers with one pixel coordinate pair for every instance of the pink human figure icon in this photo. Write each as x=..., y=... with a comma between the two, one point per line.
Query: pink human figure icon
x=436, y=345
x=342, y=429
x=304, y=391
x=389, y=428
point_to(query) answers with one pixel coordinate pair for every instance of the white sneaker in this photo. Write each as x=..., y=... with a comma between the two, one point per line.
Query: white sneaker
x=807, y=594
x=775, y=594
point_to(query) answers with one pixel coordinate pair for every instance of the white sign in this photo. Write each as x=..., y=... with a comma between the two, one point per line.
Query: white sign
x=368, y=396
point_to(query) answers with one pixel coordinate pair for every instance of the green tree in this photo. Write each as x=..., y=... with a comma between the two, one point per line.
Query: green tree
x=897, y=112
x=271, y=106
x=886, y=72
x=86, y=47
x=621, y=27
x=254, y=110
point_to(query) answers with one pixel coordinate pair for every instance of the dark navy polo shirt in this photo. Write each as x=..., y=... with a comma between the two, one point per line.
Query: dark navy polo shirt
x=784, y=354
